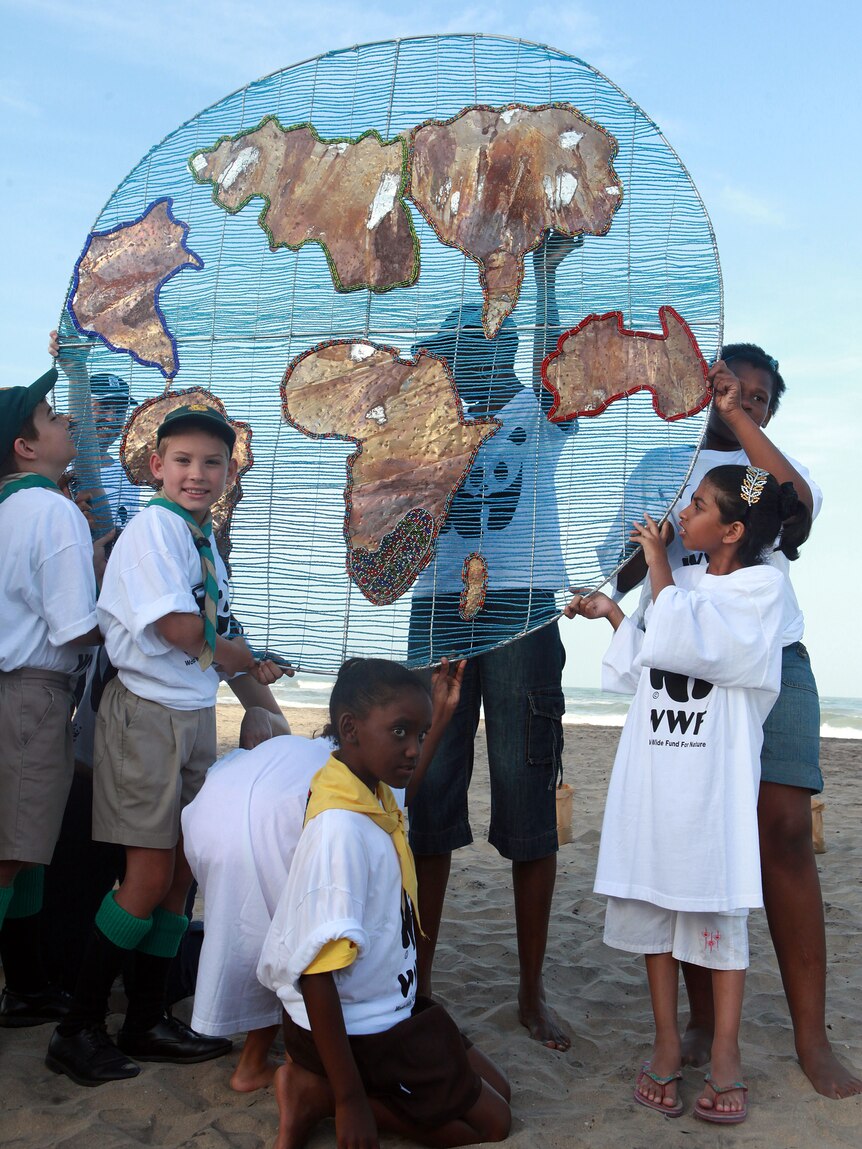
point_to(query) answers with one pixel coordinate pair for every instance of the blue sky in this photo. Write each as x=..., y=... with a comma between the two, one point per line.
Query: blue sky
x=759, y=99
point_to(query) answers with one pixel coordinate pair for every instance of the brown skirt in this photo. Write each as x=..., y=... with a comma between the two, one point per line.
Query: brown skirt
x=418, y=1069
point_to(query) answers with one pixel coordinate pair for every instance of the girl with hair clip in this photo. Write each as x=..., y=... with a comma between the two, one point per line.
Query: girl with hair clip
x=747, y=390
x=341, y=951
x=679, y=857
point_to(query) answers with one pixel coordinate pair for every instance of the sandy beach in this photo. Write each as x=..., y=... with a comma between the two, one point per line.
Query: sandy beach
x=581, y=1098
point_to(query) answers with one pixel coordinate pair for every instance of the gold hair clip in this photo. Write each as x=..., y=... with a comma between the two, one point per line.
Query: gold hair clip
x=753, y=484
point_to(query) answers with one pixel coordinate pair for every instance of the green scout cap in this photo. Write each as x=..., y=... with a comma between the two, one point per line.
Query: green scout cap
x=17, y=404
x=197, y=415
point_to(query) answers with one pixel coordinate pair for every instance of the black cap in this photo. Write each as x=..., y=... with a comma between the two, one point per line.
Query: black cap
x=197, y=415
x=18, y=404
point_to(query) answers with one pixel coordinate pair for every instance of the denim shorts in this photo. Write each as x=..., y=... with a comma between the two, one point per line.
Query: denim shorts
x=519, y=686
x=791, y=733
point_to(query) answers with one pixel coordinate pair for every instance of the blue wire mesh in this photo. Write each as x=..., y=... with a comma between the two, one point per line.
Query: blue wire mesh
x=544, y=505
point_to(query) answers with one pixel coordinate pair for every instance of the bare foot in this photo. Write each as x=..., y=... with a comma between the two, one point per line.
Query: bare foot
x=303, y=1099
x=247, y=1078
x=543, y=1023
x=696, y=1046
x=826, y=1073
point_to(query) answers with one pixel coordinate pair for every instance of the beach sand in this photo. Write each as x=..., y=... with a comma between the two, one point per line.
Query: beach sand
x=581, y=1098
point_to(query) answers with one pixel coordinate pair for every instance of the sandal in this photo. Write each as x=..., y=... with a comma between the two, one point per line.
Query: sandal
x=723, y=1116
x=662, y=1082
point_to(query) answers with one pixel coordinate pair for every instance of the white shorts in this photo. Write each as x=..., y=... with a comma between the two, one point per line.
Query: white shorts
x=712, y=940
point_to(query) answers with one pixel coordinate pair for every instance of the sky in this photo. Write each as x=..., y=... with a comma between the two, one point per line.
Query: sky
x=760, y=99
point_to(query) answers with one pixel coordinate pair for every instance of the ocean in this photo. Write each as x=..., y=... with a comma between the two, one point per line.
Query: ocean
x=839, y=717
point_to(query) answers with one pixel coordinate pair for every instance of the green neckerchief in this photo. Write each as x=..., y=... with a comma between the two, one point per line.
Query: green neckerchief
x=23, y=481
x=201, y=533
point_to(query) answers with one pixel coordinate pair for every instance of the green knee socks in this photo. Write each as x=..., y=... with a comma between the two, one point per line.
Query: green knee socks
x=6, y=894
x=166, y=934
x=28, y=892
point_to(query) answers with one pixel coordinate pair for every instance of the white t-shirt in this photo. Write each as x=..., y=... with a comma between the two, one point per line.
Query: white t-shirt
x=239, y=835
x=680, y=823
x=155, y=570
x=47, y=583
x=506, y=508
x=345, y=882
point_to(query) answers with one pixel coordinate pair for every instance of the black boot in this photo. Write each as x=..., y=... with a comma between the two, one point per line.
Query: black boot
x=28, y=999
x=80, y=1046
x=151, y=1034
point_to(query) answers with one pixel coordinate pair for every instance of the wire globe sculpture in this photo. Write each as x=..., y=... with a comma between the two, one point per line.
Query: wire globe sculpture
x=457, y=290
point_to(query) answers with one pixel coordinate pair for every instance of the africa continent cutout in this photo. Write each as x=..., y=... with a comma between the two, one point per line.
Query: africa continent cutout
x=600, y=361
x=346, y=195
x=491, y=181
x=414, y=450
x=117, y=280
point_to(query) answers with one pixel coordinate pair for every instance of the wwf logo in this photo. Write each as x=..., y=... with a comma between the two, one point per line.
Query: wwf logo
x=223, y=618
x=681, y=689
x=489, y=496
x=676, y=685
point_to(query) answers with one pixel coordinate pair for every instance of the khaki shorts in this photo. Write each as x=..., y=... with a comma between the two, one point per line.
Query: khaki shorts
x=36, y=763
x=149, y=761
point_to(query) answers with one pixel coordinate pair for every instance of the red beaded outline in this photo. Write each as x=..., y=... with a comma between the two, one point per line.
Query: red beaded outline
x=587, y=412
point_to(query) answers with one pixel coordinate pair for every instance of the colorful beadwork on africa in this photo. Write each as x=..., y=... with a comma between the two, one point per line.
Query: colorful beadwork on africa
x=462, y=290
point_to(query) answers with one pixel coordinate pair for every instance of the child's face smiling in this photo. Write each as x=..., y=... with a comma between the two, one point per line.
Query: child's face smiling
x=700, y=524
x=384, y=746
x=194, y=469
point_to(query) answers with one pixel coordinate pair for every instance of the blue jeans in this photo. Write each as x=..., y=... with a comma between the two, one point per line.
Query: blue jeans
x=520, y=688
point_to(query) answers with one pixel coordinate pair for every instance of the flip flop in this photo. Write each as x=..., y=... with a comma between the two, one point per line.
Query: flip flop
x=662, y=1082
x=723, y=1116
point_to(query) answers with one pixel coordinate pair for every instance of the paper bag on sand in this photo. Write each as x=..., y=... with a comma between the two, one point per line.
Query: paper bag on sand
x=817, y=808
x=564, y=813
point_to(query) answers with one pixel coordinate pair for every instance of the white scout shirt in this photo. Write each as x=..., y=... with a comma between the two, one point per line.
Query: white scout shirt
x=47, y=583
x=153, y=571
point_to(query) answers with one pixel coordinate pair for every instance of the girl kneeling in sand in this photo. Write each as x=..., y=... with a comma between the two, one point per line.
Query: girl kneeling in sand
x=679, y=856
x=341, y=952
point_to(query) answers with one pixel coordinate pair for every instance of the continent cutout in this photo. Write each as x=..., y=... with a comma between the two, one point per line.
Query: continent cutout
x=139, y=442
x=117, y=281
x=474, y=576
x=414, y=451
x=600, y=361
x=492, y=181
x=346, y=195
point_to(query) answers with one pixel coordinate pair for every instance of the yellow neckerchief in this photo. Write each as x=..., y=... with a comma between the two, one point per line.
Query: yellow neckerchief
x=335, y=787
